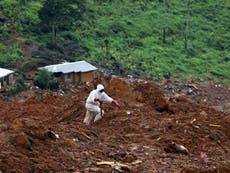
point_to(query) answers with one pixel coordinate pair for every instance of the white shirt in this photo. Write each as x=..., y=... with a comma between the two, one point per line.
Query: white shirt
x=96, y=94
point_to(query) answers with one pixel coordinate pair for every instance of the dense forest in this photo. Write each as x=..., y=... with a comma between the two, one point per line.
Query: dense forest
x=152, y=39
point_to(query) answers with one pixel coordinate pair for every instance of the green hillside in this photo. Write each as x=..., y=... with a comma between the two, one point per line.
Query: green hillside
x=124, y=36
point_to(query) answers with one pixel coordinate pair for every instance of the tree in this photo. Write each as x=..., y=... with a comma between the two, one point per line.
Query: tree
x=57, y=13
x=187, y=25
x=164, y=19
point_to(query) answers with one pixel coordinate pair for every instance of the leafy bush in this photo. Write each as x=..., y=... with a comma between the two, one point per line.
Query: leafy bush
x=22, y=13
x=46, y=80
x=10, y=56
x=19, y=86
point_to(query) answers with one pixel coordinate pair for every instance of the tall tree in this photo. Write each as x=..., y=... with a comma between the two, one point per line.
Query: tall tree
x=187, y=25
x=165, y=21
x=57, y=13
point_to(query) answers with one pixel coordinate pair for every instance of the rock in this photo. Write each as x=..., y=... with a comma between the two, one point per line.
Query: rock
x=17, y=125
x=203, y=114
x=52, y=134
x=218, y=108
x=94, y=169
x=227, y=107
x=189, y=92
x=44, y=54
x=182, y=98
x=70, y=143
x=24, y=141
x=176, y=148
x=72, y=49
x=2, y=19
x=161, y=105
x=181, y=149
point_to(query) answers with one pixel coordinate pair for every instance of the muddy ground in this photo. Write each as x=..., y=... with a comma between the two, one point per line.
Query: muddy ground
x=161, y=127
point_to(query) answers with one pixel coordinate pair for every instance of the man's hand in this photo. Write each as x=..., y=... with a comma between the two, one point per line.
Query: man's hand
x=98, y=100
x=116, y=103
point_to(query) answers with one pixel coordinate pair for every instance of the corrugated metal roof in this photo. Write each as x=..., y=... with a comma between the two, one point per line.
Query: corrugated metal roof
x=68, y=67
x=5, y=72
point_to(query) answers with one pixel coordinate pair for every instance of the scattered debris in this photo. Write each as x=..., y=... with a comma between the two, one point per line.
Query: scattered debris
x=176, y=148
x=191, y=122
x=116, y=165
x=52, y=134
x=214, y=125
x=137, y=131
x=204, y=157
x=84, y=135
x=128, y=112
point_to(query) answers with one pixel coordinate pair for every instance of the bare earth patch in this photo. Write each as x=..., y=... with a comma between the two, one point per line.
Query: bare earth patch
x=164, y=127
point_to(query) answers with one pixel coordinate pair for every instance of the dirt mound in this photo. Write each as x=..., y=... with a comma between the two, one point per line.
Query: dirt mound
x=154, y=131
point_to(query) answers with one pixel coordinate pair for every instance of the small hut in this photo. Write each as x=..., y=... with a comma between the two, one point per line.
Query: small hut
x=73, y=72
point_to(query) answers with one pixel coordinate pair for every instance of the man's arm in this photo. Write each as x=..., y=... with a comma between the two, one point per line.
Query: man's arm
x=116, y=103
x=98, y=100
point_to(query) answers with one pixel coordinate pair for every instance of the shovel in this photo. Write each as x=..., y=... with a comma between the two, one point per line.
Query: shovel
x=99, y=116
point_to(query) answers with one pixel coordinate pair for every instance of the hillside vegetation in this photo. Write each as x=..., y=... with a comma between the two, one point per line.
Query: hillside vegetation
x=152, y=39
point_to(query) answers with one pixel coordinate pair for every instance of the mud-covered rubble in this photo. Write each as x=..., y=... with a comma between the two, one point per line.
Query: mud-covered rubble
x=212, y=95
x=156, y=130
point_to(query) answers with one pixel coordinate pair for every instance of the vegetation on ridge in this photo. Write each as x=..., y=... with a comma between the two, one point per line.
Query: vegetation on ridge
x=144, y=38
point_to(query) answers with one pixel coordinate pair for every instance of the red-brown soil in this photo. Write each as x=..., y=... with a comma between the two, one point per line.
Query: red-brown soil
x=146, y=134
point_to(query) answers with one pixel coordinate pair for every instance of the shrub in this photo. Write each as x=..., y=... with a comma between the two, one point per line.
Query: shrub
x=46, y=80
x=19, y=86
x=9, y=57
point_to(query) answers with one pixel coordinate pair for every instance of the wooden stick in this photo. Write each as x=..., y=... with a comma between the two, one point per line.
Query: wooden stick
x=214, y=125
x=114, y=163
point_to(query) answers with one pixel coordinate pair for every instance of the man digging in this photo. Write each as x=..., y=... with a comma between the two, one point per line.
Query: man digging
x=94, y=102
